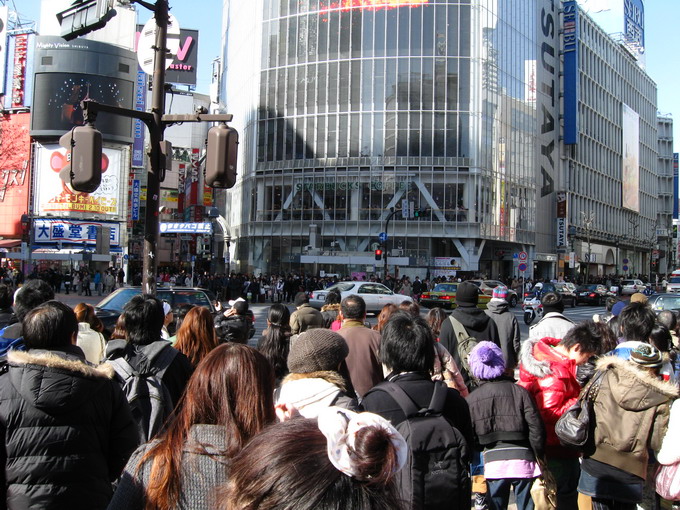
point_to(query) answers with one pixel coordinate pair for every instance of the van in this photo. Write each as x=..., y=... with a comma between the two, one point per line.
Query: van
x=673, y=284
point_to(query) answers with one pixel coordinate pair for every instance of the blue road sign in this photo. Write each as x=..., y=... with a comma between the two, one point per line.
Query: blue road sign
x=383, y=236
x=522, y=267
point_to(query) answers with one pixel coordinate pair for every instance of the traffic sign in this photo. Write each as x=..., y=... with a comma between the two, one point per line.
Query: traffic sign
x=522, y=256
x=147, y=41
x=383, y=237
x=522, y=267
x=515, y=255
x=625, y=268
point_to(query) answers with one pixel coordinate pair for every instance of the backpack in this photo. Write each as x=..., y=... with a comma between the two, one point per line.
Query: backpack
x=464, y=345
x=435, y=475
x=149, y=398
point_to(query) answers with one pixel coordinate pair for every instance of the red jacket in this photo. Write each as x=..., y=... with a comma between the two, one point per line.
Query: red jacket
x=551, y=379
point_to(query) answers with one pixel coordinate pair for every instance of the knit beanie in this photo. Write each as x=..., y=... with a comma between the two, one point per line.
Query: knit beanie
x=500, y=292
x=486, y=361
x=316, y=350
x=467, y=294
x=647, y=356
x=638, y=297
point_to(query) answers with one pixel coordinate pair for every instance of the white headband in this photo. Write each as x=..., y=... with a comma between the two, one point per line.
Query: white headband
x=340, y=426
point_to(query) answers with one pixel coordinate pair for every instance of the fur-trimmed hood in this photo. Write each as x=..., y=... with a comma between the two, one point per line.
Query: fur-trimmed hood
x=309, y=393
x=536, y=355
x=634, y=388
x=55, y=380
x=331, y=377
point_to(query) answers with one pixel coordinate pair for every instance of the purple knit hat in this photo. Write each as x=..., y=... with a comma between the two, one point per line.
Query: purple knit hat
x=486, y=361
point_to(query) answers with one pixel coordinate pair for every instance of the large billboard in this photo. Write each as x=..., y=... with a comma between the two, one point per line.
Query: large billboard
x=184, y=62
x=571, y=72
x=68, y=72
x=73, y=231
x=630, y=174
x=54, y=197
x=14, y=173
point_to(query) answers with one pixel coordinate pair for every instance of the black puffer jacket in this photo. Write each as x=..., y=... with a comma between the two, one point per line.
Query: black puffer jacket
x=67, y=429
x=235, y=328
x=503, y=411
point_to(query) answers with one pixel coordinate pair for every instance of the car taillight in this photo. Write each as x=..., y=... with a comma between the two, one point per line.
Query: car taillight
x=592, y=294
x=425, y=295
x=446, y=297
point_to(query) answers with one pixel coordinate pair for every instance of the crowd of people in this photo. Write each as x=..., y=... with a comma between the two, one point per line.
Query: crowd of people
x=421, y=411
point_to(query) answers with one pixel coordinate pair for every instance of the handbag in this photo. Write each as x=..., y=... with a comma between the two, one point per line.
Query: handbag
x=544, y=489
x=574, y=427
x=667, y=481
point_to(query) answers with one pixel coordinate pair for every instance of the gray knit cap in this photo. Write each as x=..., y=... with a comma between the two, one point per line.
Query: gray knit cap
x=316, y=350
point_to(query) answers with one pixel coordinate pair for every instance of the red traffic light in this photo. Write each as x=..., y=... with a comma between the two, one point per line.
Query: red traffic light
x=378, y=254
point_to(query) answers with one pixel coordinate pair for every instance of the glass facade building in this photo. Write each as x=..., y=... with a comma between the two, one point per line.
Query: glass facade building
x=353, y=112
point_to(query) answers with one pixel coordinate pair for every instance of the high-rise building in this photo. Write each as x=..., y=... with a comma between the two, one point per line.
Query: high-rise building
x=359, y=111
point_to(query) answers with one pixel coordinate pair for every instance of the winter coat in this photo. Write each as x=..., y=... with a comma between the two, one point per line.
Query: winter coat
x=419, y=388
x=235, y=328
x=553, y=325
x=508, y=330
x=203, y=469
x=92, y=343
x=142, y=358
x=304, y=318
x=67, y=429
x=551, y=380
x=330, y=314
x=365, y=369
x=632, y=409
x=503, y=411
x=477, y=324
x=312, y=392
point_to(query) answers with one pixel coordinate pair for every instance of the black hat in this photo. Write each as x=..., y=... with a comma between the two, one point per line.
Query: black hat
x=467, y=294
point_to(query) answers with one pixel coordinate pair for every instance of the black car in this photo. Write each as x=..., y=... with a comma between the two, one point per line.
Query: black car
x=591, y=294
x=568, y=295
x=110, y=308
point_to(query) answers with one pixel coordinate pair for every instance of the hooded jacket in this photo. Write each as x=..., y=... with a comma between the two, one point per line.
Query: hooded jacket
x=632, y=408
x=553, y=325
x=67, y=429
x=550, y=377
x=235, y=328
x=508, y=329
x=312, y=392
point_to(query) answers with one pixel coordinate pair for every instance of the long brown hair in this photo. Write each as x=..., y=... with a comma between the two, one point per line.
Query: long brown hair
x=196, y=336
x=85, y=313
x=233, y=386
x=385, y=313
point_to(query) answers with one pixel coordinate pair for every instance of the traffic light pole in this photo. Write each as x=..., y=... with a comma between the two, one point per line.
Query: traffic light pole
x=393, y=211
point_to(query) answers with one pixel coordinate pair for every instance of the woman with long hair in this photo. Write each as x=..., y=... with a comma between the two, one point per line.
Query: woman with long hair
x=343, y=460
x=90, y=337
x=228, y=400
x=119, y=332
x=331, y=311
x=196, y=336
x=275, y=341
x=385, y=313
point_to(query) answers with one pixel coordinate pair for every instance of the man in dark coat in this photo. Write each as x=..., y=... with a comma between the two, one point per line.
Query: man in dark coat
x=67, y=427
x=235, y=324
x=477, y=324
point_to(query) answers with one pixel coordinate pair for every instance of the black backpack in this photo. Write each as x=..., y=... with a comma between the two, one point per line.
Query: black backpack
x=435, y=476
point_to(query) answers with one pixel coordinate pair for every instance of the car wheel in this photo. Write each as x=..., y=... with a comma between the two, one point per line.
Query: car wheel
x=513, y=301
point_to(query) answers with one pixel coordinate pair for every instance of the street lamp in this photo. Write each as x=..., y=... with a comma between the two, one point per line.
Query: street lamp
x=588, y=219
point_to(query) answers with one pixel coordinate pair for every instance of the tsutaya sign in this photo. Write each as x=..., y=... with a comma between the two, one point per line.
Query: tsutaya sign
x=318, y=185
x=186, y=228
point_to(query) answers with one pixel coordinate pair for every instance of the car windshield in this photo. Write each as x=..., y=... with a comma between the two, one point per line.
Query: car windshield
x=117, y=300
x=445, y=287
x=667, y=303
x=587, y=287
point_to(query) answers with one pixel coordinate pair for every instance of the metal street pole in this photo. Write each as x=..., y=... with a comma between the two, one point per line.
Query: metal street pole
x=156, y=131
x=387, y=224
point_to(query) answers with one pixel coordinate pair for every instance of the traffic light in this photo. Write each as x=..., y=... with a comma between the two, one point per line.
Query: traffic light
x=420, y=213
x=220, y=165
x=378, y=254
x=84, y=155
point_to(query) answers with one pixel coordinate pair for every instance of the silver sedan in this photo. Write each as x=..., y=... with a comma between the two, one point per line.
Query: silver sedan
x=376, y=295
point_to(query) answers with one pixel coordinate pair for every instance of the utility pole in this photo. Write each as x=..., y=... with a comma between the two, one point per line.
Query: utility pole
x=393, y=211
x=99, y=11
x=588, y=220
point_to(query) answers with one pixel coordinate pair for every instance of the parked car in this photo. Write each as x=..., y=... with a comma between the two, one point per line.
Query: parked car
x=487, y=286
x=110, y=308
x=591, y=294
x=666, y=301
x=673, y=284
x=444, y=296
x=376, y=295
x=632, y=286
x=567, y=293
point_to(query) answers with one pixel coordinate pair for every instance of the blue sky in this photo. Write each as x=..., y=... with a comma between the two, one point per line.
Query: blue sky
x=662, y=39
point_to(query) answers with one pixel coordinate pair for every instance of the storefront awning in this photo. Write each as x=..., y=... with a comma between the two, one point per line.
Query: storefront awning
x=10, y=243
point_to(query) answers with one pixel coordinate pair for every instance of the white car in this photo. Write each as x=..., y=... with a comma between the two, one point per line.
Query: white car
x=632, y=286
x=376, y=295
